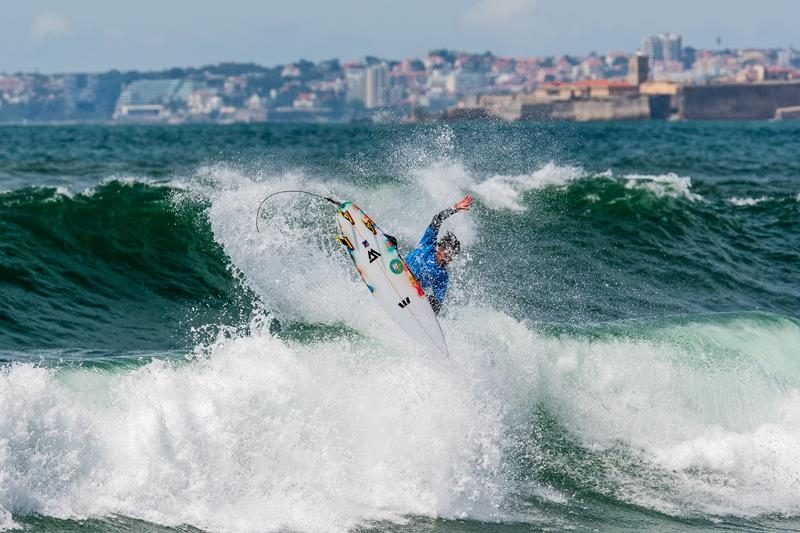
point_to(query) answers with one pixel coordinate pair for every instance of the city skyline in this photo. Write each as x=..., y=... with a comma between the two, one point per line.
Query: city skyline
x=49, y=37
x=446, y=84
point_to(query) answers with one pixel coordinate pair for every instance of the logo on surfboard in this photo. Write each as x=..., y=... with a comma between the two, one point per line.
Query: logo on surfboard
x=396, y=266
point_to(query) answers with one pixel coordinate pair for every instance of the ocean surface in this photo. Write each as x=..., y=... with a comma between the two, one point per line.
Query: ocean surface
x=623, y=325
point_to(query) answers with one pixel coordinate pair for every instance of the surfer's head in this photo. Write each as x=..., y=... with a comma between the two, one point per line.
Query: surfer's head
x=447, y=247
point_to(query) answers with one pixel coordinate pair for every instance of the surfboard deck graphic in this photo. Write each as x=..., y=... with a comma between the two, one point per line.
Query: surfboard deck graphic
x=388, y=278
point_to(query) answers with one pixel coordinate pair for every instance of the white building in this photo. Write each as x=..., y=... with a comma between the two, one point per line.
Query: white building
x=375, y=86
x=663, y=47
x=152, y=100
x=354, y=85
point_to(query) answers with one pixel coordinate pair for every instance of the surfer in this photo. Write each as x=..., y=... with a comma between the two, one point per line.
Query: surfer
x=428, y=261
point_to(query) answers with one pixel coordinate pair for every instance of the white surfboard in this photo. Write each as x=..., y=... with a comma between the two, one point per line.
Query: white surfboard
x=388, y=278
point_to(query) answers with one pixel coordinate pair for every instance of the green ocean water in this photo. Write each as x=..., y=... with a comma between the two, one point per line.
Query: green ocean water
x=623, y=325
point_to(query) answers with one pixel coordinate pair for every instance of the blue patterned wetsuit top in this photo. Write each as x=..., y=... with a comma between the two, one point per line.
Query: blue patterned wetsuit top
x=422, y=261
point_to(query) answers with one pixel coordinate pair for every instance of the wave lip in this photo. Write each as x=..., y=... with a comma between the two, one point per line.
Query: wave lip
x=670, y=185
x=746, y=201
x=503, y=192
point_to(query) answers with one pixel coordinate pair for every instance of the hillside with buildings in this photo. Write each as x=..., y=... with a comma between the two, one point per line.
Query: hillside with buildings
x=662, y=80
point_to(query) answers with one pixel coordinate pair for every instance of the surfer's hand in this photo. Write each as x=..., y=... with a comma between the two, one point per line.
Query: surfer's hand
x=463, y=204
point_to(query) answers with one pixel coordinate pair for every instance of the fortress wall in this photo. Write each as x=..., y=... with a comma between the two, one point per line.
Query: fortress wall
x=591, y=109
x=740, y=101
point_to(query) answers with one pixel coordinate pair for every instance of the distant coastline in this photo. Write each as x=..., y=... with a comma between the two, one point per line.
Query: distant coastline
x=665, y=82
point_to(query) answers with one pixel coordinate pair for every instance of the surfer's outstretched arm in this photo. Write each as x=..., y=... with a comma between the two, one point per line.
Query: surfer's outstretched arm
x=433, y=229
x=440, y=217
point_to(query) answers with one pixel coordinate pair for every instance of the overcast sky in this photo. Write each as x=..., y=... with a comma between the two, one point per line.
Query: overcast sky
x=95, y=35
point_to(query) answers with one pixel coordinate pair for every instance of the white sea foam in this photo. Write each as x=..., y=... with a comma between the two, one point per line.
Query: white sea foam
x=663, y=185
x=131, y=181
x=708, y=412
x=260, y=434
x=266, y=434
x=61, y=193
x=128, y=180
x=65, y=191
x=504, y=192
x=7, y=523
x=746, y=201
x=594, y=198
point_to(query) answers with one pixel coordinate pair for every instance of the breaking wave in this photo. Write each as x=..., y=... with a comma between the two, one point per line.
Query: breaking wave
x=259, y=431
x=236, y=380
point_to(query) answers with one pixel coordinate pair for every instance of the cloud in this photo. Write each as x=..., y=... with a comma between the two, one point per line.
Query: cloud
x=48, y=25
x=498, y=12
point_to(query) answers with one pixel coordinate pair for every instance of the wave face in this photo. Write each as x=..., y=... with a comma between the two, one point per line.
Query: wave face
x=118, y=266
x=623, y=328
